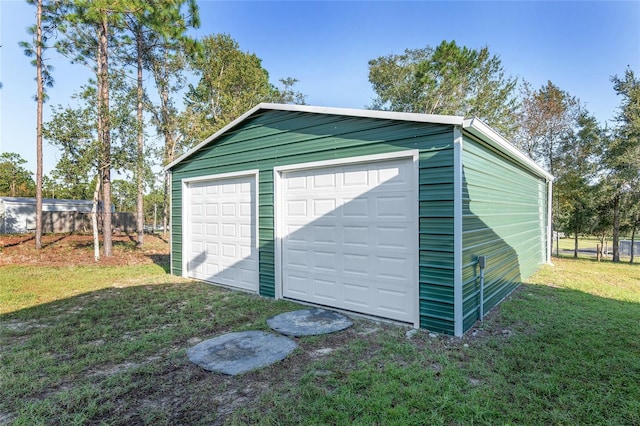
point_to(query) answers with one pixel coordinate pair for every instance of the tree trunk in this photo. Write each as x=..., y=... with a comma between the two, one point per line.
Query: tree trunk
x=40, y=100
x=140, y=159
x=633, y=236
x=94, y=220
x=169, y=144
x=575, y=245
x=105, y=132
x=616, y=228
x=165, y=205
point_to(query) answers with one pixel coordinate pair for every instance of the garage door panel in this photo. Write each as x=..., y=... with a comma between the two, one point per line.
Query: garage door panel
x=356, y=207
x=245, y=188
x=324, y=261
x=324, y=180
x=213, y=249
x=246, y=231
x=356, y=296
x=354, y=226
x=297, y=234
x=196, y=210
x=297, y=208
x=386, y=174
x=393, y=302
x=229, y=230
x=229, y=252
x=323, y=208
x=324, y=290
x=221, y=228
x=324, y=234
x=355, y=178
x=246, y=210
x=296, y=182
x=393, y=268
x=392, y=237
x=297, y=285
x=212, y=229
x=212, y=270
x=228, y=188
x=229, y=209
x=393, y=206
x=296, y=257
x=210, y=190
x=357, y=264
x=356, y=235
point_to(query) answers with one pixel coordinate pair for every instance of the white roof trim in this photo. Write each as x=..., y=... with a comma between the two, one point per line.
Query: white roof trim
x=490, y=136
x=472, y=125
x=369, y=113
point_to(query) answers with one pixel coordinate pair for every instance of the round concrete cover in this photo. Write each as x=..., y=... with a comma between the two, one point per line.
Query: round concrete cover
x=308, y=322
x=237, y=353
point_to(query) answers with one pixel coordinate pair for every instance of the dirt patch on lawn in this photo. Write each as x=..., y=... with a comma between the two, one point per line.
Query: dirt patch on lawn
x=77, y=249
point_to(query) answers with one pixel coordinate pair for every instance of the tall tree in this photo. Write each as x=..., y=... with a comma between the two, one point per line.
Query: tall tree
x=163, y=45
x=448, y=79
x=40, y=33
x=152, y=30
x=72, y=129
x=231, y=82
x=136, y=27
x=15, y=179
x=622, y=156
x=286, y=94
x=577, y=168
x=92, y=27
x=547, y=116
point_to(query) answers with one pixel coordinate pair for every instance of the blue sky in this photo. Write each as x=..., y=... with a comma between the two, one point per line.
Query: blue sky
x=327, y=46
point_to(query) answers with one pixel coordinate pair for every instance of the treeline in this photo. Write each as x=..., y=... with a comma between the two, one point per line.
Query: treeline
x=156, y=92
x=596, y=167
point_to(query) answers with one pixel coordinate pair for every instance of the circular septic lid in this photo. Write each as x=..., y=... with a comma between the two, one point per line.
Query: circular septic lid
x=308, y=322
x=237, y=353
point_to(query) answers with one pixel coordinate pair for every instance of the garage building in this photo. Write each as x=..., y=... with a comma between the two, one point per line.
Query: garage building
x=380, y=213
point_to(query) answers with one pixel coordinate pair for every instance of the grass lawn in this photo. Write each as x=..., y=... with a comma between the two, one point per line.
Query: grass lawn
x=106, y=345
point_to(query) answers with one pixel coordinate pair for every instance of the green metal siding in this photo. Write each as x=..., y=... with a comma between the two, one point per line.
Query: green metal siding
x=504, y=218
x=276, y=138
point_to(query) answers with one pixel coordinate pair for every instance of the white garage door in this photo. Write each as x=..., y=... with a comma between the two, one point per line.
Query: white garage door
x=351, y=237
x=220, y=237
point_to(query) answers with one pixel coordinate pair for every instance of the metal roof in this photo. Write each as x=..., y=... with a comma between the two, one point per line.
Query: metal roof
x=59, y=201
x=472, y=125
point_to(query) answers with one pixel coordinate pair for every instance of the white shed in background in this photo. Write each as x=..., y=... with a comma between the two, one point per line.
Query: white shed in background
x=18, y=214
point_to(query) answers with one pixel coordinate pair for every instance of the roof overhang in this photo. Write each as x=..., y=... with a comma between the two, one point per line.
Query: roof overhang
x=479, y=129
x=472, y=125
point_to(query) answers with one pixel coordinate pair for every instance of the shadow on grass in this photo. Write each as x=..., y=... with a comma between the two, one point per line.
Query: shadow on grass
x=52, y=242
x=17, y=243
x=162, y=260
x=564, y=348
x=135, y=338
x=159, y=236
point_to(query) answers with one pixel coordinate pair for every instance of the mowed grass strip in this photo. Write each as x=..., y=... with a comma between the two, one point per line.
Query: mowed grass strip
x=28, y=286
x=110, y=348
